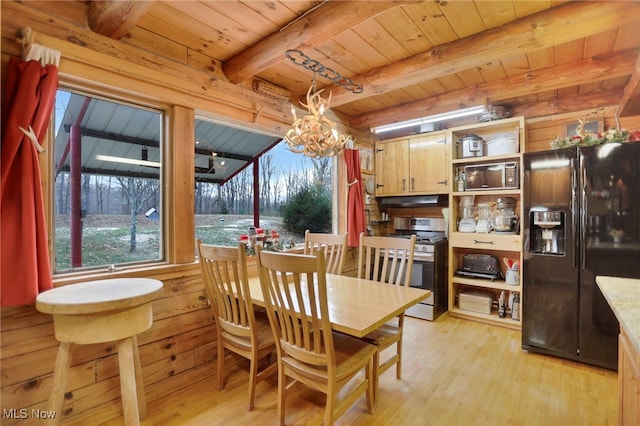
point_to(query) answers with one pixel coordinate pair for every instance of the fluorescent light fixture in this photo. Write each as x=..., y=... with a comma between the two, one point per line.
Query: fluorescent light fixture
x=127, y=161
x=430, y=119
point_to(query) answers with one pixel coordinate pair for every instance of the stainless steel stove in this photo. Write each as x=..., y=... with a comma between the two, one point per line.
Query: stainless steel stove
x=429, y=262
x=429, y=232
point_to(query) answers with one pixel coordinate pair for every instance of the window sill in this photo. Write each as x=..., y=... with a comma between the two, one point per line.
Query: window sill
x=146, y=270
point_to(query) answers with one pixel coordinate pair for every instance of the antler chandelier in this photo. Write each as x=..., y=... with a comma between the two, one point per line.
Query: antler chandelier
x=313, y=134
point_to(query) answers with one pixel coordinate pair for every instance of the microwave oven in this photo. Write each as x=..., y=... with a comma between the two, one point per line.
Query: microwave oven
x=491, y=176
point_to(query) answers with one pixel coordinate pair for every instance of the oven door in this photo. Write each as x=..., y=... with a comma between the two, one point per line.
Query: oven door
x=422, y=276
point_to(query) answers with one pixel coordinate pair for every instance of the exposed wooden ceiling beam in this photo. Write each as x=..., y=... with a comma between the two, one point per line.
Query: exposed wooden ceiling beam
x=309, y=31
x=115, y=19
x=592, y=100
x=546, y=29
x=583, y=71
x=85, y=49
x=630, y=101
x=570, y=74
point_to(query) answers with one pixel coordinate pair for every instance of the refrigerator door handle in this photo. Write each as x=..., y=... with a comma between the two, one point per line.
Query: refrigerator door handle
x=574, y=209
x=583, y=213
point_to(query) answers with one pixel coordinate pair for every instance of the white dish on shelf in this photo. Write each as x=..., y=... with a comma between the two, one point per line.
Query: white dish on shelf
x=503, y=143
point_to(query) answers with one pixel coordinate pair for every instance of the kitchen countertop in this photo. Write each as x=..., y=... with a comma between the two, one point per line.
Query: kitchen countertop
x=623, y=295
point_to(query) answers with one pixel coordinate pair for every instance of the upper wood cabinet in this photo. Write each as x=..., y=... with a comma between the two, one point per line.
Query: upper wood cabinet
x=392, y=167
x=412, y=165
x=428, y=164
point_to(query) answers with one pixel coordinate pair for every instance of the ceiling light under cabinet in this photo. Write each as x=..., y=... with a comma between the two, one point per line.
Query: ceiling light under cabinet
x=465, y=112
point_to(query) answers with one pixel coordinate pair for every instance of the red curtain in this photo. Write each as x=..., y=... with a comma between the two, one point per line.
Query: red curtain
x=355, y=207
x=24, y=257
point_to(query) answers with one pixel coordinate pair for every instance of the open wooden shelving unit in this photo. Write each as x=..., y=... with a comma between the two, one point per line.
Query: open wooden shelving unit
x=498, y=244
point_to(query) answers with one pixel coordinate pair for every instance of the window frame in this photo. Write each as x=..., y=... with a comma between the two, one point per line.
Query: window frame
x=48, y=180
x=336, y=170
x=178, y=178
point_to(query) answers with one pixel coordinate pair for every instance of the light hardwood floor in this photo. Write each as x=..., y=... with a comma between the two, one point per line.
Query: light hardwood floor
x=455, y=372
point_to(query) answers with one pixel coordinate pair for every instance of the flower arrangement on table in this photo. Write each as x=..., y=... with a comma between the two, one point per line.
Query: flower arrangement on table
x=584, y=138
x=269, y=240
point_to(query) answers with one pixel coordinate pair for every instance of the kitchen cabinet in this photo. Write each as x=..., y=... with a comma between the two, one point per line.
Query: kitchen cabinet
x=624, y=299
x=428, y=164
x=392, y=166
x=629, y=381
x=413, y=165
x=507, y=245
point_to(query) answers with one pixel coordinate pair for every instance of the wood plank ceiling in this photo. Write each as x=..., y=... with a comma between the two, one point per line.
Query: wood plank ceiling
x=413, y=58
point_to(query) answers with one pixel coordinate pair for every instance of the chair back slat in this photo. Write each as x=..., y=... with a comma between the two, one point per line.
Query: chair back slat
x=333, y=246
x=386, y=259
x=238, y=328
x=225, y=278
x=295, y=293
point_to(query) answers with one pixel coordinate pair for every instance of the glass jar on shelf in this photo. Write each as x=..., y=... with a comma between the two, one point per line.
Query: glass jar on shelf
x=460, y=180
x=485, y=215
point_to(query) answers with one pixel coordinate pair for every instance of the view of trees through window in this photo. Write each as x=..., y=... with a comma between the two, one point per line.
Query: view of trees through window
x=294, y=195
x=107, y=183
x=107, y=188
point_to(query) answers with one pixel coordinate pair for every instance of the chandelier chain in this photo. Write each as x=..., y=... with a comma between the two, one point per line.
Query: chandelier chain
x=313, y=65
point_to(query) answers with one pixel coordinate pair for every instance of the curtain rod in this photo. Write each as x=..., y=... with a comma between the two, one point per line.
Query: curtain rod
x=35, y=51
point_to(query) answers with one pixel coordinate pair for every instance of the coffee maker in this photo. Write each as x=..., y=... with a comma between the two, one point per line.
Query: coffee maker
x=547, y=232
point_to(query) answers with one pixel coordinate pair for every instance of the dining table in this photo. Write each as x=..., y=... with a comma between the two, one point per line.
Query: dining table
x=358, y=306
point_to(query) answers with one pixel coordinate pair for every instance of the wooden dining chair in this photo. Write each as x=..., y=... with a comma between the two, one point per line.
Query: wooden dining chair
x=334, y=247
x=238, y=327
x=295, y=293
x=387, y=260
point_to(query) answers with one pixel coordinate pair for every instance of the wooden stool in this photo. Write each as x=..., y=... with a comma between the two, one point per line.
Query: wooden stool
x=98, y=312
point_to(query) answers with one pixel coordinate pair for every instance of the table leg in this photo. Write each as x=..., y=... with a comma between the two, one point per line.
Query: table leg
x=60, y=372
x=128, y=382
x=142, y=401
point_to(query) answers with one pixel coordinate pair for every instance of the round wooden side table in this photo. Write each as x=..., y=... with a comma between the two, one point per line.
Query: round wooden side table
x=97, y=312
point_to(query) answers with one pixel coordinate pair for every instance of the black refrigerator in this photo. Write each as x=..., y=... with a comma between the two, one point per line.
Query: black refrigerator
x=581, y=219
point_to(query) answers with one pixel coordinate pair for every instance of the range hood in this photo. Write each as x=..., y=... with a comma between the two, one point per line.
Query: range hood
x=414, y=201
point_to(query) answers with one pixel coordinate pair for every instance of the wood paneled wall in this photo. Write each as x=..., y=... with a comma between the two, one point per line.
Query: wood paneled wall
x=176, y=351
x=541, y=131
x=180, y=347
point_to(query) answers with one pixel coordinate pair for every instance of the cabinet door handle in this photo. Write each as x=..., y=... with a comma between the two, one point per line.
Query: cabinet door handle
x=412, y=184
x=482, y=242
x=404, y=184
x=379, y=185
x=442, y=182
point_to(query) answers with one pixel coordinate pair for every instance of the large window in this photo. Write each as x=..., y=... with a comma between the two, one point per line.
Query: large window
x=107, y=177
x=294, y=191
